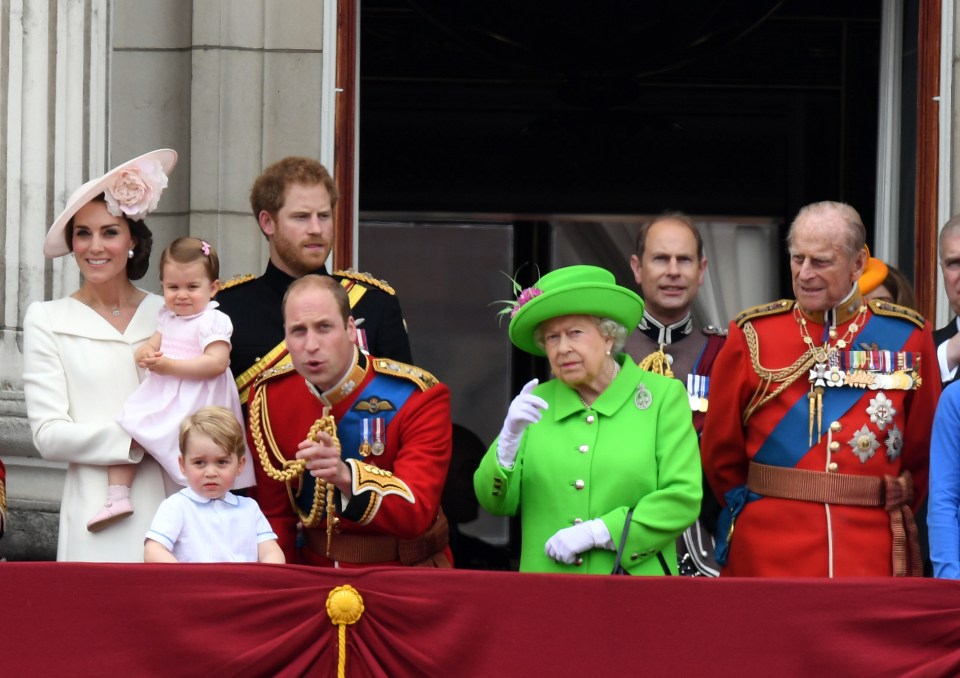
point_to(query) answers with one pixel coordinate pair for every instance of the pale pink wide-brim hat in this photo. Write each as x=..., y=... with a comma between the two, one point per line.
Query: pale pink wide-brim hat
x=132, y=189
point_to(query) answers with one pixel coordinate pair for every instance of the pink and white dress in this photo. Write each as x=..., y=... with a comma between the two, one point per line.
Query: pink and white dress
x=152, y=414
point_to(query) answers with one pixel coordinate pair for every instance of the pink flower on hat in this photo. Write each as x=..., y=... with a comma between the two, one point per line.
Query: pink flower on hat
x=525, y=296
x=135, y=191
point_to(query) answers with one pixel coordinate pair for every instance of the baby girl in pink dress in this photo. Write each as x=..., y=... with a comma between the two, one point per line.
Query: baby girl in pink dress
x=188, y=359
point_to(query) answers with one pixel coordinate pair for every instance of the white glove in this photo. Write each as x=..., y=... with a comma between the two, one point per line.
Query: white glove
x=568, y=543
x=524, y=410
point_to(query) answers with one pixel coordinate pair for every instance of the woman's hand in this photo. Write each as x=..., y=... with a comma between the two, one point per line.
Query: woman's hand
x=567, y=544
x=525, y=409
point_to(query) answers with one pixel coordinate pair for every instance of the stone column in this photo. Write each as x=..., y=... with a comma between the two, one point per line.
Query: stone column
x=259, y=93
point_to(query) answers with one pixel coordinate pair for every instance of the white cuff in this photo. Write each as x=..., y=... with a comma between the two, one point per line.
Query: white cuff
x=601, y=534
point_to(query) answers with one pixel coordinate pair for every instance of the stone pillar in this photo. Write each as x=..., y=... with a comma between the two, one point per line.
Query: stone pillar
x=53, y=122
x=259, y=93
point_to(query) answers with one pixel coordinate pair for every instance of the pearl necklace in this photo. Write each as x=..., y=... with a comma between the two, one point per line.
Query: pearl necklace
x=616, y=371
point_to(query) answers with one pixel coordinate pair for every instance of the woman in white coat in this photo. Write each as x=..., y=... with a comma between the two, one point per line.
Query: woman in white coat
x=78, y=364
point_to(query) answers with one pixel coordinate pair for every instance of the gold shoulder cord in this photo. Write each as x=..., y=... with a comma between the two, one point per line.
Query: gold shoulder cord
x=291, y=468
x=327, y=425
x=657, y=362
x=785, y=377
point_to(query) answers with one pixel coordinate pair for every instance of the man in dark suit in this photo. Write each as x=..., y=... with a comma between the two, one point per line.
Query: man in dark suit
x=293, y=202
x=946, y=338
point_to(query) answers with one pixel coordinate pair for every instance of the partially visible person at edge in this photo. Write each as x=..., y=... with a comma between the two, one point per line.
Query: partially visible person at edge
x=882, y=281
x=293, y=202
x=379, y=464
x=78, y=356
x=669, y=266
x=819, y=446
x=601, y=446
x=946, y=338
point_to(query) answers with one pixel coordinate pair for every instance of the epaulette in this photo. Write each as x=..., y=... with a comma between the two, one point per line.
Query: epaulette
x=713, y=330
x=273, y=373
x=237, y=280
x=887, y=308
x=762, y=310
x=366, y=279
x=421, y=378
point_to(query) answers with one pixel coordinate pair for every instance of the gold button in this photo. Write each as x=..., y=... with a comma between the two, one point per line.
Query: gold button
x=832, y=467
x=834, y=446
x=835, y=426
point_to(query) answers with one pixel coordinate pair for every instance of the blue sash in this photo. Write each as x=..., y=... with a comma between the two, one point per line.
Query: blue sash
x=781, y=448
x=383, y=389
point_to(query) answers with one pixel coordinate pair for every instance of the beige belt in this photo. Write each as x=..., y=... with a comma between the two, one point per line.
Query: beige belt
x=894, y=494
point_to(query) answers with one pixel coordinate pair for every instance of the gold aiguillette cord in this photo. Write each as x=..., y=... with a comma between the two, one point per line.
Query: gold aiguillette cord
x=327, y=424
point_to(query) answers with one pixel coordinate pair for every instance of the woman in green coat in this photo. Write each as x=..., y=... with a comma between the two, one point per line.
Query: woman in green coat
x=601, y=441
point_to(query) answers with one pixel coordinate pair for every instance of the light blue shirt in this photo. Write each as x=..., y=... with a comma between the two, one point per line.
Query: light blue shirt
x=200, y=530
x=943, y=521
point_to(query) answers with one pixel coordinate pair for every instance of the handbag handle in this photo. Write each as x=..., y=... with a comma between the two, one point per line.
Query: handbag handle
x=618, y=568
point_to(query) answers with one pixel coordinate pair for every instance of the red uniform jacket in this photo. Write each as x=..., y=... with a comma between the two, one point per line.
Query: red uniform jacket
x=417, y=447
x=785, y=537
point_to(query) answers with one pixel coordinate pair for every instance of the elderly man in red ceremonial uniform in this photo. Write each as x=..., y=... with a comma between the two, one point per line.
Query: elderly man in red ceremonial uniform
x=819, y=431
x=352, y=447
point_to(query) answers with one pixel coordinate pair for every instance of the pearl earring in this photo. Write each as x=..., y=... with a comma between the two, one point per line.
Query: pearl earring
x=129, y=254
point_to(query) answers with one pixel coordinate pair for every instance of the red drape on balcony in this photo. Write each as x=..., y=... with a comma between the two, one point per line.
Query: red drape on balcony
x=267, y=620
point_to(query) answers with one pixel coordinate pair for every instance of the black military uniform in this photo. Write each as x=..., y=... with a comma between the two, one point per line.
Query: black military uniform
x=255, y=305
x=691, y=351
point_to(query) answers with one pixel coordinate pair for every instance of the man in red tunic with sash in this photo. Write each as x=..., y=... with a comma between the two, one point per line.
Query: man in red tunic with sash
x=351, y=447
x=818, y=433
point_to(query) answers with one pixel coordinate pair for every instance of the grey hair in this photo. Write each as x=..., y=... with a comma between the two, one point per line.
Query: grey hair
x=856, y=235
x=609, y=329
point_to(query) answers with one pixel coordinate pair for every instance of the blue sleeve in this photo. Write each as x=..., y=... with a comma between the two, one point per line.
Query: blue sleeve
x=944, y=501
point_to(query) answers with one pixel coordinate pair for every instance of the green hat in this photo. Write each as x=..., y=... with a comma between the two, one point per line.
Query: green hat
x=574, y=290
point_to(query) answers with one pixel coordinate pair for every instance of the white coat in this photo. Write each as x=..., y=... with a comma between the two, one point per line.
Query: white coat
x=77, y=372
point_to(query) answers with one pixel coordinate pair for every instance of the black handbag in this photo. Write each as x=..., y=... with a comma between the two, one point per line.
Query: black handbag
x=617, y=567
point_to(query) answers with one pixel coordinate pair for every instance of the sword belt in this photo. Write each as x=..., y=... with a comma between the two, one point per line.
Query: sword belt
x=894, y=494
x=367, y=549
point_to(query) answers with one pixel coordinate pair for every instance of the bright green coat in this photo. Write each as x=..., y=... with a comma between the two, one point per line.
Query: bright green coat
x=626, y=457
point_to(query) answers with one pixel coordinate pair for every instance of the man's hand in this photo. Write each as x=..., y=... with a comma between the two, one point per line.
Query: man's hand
x=324, y=462
x=953, y=352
